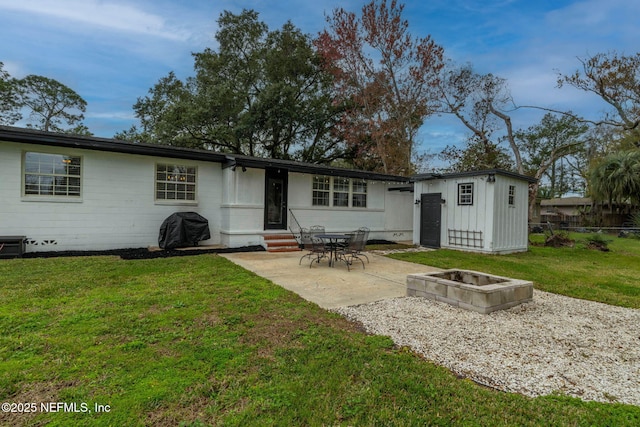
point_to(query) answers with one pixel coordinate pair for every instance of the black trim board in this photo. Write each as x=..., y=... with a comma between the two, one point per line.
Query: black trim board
x=31, y=136
x=432, y=176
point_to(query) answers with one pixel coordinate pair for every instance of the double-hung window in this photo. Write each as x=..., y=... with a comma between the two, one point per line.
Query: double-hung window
x=512, y=195
x=359, y=194
x=341, y=192
x=321, y=190
x=176, y=183
x=465, y=194
x=52, y=175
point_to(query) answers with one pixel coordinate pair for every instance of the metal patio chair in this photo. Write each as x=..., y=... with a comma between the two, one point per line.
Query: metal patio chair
x=314, y=246
x=363, y=242
x=350, y=252
x=316, y=229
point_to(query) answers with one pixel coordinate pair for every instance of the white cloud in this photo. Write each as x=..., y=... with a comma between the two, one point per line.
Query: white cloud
x=114, y=115
x=109, y=15
x=13, y=68
x=597, y=26
x=595, y=15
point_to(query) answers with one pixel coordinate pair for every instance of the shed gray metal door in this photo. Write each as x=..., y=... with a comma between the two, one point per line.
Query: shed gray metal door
x=430, y=215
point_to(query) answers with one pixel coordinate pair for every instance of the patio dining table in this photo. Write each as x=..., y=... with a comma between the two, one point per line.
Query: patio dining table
x=333, y=239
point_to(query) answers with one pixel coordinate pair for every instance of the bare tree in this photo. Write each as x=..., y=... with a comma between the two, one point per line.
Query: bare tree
x=482, y=104
x=616, y=79
x=479, y=102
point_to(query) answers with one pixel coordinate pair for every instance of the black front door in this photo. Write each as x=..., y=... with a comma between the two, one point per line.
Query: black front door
x=430, y=214
x=275, y=199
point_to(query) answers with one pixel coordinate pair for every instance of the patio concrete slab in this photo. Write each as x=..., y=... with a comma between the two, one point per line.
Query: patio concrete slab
x=332, y=287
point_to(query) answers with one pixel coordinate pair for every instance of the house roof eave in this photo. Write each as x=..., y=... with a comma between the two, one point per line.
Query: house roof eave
x=310, y=168
x=37, y=137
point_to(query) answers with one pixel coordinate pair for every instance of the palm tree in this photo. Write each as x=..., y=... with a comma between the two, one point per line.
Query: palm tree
x=617, y=178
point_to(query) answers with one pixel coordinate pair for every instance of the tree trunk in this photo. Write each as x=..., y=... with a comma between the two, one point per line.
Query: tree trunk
x=533, y=195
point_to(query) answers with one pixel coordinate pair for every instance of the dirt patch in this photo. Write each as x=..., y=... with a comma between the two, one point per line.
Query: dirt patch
x=271, y=330
x=559, y=241
x=598, y=246
x=29, y=394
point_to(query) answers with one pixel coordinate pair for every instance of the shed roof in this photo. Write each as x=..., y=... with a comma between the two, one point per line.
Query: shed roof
x=431, y=176
x=31, y=136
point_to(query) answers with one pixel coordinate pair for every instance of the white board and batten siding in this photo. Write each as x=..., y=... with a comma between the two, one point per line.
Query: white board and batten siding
x=490, y=224
x=117, y=207
x=510, y=224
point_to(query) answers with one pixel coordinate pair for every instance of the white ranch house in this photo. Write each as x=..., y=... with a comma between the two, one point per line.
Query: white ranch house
x=71, y=193
x=65, y=192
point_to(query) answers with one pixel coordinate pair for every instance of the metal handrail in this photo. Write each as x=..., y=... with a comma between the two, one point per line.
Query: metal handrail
x=295, y=230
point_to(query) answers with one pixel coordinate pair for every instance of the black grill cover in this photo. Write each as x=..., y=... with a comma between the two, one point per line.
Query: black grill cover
x=183, y=229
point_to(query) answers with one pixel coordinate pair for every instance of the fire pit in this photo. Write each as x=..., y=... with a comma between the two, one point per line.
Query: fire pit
x=470, y=290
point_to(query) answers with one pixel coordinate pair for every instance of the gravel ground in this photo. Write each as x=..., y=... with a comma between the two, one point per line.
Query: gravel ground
x=554, y=344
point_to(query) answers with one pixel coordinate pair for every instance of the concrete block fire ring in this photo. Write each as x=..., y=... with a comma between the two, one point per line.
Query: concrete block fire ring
x=471, y=290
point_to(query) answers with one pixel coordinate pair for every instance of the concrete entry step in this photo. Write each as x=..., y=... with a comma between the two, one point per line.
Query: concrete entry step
x=278, y=237
x=284, y=249
x=280, y=243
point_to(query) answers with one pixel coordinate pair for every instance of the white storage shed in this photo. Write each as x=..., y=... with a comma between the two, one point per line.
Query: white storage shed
x=483, y=211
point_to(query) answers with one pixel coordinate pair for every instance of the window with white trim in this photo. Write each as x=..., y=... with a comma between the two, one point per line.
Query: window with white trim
x=465, y=194
x=321, y=190
x=52, y=175
x=176, y=182
x=339, y=192
x=359, y=194
x=512, y=195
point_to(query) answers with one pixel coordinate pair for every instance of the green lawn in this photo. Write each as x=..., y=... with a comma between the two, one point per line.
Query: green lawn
x=609, y=277
x=198, y=341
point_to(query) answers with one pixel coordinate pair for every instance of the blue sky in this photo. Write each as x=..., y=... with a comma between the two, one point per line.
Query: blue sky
x=112, y=51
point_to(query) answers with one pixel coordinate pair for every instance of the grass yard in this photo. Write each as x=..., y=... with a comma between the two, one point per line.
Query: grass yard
x=198, y=341
x=609, y=277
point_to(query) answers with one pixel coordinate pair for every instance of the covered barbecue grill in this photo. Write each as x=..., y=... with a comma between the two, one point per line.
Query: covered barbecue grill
x=183, y=229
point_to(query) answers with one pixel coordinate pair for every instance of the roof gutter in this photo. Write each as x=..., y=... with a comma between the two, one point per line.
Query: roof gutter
x=31, y=136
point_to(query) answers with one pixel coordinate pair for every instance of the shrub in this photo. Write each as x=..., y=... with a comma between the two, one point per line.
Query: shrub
x=597, y=241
